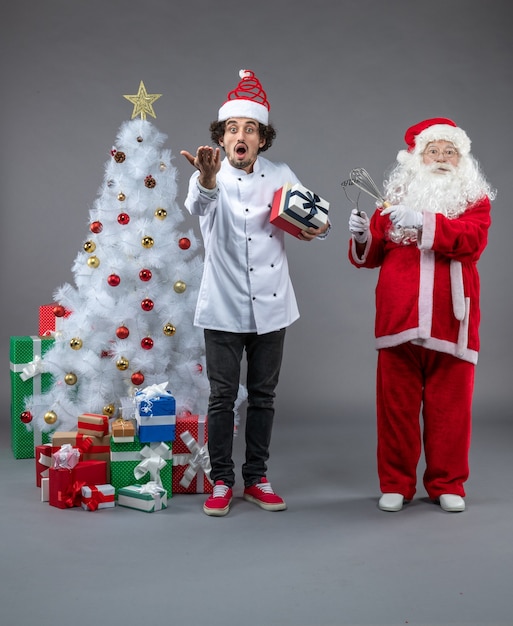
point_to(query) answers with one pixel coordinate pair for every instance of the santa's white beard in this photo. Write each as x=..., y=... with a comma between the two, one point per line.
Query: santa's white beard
x=436, y=192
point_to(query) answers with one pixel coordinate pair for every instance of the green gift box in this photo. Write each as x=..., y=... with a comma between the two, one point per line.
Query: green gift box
x=148, y=498
x=136, y=463
x=26, y=381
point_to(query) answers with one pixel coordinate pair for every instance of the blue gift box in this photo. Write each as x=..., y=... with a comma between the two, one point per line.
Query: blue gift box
x=156, y=417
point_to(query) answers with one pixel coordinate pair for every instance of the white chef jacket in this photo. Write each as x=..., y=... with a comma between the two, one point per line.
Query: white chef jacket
x=246, y=285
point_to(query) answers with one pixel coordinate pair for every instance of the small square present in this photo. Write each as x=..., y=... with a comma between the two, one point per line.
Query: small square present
x=96, y=497
x=296, y=208
x=123, y=431
x=191, y=461
x=155, y=414
x=66, y=484
x=148, y=498
x=50, y=317
x=93, y=424
x=27, y=379
x=138, y=463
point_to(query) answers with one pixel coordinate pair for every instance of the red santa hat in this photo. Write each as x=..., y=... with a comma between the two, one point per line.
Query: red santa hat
x=248, y=99
x=418, y=136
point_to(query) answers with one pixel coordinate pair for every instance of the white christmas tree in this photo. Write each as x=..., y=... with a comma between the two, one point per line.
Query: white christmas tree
x=137, y=277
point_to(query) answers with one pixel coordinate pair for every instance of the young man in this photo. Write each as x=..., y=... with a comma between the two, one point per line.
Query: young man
x=246, y=299
x=427, y=243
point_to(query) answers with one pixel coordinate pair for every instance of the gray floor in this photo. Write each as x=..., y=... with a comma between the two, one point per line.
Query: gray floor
x=331, y=559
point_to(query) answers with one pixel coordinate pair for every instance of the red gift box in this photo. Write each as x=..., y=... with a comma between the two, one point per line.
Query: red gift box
x=191, y=463
x=43, y=456
x=66, y=485
x=93, y=424
x=48, y=321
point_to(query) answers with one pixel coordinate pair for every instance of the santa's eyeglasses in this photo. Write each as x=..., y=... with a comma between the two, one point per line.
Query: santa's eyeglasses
x=435, y=153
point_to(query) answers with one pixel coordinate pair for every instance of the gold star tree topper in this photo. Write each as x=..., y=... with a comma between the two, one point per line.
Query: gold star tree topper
x=143, y=102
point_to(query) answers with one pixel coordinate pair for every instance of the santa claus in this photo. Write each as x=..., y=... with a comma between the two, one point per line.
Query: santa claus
x=426, y=240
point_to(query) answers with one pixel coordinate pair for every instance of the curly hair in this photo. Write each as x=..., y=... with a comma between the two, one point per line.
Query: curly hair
x=266, y=132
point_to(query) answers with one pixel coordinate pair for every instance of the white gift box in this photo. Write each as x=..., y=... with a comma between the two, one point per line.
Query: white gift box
x=296, y=208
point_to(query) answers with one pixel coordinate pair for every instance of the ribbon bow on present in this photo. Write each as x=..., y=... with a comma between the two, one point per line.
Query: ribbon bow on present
x=198, y=459
x=34, y=368
x=96, y=498
x=71, y=497
x=66, y=457
x=153, y=462
x=156, y=491
x=311, y=202
x=153, y=391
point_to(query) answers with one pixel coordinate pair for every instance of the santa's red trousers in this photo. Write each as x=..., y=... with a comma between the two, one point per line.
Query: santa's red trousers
x=414, y=382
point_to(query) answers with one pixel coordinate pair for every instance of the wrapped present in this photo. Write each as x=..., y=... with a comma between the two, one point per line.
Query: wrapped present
x=155, y=414
x=66, y=485
x=43, y=461
x=65, y=457
x=91, y=448
x=27, y=379
x=138, y=463
x=45, y=489
x=296, y=208
x=96, y=497
x=149, y=498
x=123, y=431
x=50, y=318
x=93, y=424
x=191, y=461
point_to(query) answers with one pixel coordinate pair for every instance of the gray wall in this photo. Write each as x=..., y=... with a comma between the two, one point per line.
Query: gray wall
x=345, y=79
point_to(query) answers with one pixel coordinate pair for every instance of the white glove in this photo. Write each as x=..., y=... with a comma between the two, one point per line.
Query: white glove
x=359, y=225
x=404, y=217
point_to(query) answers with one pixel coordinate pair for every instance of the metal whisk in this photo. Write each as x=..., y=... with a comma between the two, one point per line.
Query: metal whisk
x=361, y=178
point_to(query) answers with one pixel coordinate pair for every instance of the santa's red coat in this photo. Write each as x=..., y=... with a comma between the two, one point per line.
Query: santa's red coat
x=428, y=292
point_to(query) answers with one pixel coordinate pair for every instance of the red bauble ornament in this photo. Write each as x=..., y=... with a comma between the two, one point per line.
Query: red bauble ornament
x=184, y=243
x=146, y=343
x=137, y=379
x=122, y=332
x=145, y=275
x=96, y=227
x=199, y=368
x=26, y=417
x=113, y=280
x=147, y=304
x=59, y=311
x=123, y=219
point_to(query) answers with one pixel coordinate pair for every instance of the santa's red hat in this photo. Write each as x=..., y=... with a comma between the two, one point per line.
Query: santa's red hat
x=419, y=135
x=248, y=99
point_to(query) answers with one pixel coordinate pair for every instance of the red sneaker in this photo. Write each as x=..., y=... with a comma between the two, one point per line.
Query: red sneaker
x=218, y=504
x=263, y=495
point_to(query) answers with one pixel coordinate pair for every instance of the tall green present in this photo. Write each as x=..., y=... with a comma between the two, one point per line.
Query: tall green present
x=27, y=380
x=136, y=463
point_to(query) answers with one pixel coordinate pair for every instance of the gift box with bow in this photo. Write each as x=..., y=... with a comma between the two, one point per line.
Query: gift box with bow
x=149, y=498
x=296, y=208
x=155, y=414
x=28, y=378
x=96, y=497
x=191, y=461
x=66, y=484
x=138, y=463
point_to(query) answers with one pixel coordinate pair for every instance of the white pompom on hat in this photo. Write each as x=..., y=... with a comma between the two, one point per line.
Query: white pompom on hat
x=418, y=136
x=248, y=99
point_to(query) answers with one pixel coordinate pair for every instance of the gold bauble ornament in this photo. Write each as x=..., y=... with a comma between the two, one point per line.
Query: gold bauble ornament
x=50, y=417
x=160, y=213
x=169, y=329
x=121, y=196
x=76, y=343
x=89, y=246
x=147, y=242
x=122, y=363
x=93, y=261
x=179, y=286
x=109, y=409
x=70, y=378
